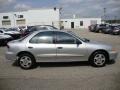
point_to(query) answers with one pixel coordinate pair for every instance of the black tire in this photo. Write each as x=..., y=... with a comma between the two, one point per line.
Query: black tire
x=26, y=59
x=98, y=59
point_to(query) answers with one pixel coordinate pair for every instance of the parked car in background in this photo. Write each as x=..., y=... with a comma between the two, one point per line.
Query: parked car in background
x=92, y=28
x=38, y=27
x=101, y=27
x=115, y=30
x=111, y=29
x=97, y=27
x=4, y=39
x=58, y=46
x=12, y=32
x=29, y=27
x=3, y=28
x=107, y=29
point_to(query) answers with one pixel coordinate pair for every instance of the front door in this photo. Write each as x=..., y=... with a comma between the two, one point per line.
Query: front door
x=68, y=49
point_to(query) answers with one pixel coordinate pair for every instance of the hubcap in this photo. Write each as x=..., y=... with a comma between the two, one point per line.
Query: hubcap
x=25, y=62
x=99, y=59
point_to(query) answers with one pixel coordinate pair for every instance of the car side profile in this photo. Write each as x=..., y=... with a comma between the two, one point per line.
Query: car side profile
x=58, y=46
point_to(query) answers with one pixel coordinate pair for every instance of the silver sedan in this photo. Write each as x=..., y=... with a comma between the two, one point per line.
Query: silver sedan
x=58, y=46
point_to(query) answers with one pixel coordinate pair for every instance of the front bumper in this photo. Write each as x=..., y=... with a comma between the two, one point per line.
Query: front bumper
x=113, y=55
x=10, y=56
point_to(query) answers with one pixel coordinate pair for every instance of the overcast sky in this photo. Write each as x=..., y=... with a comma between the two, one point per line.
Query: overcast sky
x=82, y=8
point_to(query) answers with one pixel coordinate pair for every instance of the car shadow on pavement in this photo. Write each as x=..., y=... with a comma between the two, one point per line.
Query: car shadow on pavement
x=16, y=64
x=62, y=64
x=111, y=62
x=56, y=64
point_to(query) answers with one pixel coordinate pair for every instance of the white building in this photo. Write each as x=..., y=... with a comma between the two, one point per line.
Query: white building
x=77, y=23
x=30, y=18
x=44, y=17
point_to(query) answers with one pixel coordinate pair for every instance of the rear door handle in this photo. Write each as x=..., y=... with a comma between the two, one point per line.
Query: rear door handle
x=30, y=47
x=60, y=47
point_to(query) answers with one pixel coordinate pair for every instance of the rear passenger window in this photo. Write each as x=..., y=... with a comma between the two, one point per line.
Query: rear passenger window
x=43, y=37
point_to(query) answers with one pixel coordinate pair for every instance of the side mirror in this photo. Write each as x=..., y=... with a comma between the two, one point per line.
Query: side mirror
x=78, y=42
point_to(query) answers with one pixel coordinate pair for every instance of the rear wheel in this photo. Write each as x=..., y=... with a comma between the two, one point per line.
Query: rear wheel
x=98, y=59
x=26, y=61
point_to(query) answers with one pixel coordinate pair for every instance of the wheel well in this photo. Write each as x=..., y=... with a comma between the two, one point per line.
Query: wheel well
x=107, y=54
x=25, y=52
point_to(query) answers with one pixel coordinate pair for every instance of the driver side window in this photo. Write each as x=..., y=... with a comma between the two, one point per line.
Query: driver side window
x=64, y=38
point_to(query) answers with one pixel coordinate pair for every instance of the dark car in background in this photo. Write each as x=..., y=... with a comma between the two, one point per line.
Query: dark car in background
x=92, y=27
x=12, y=32
x=111, y=29
x=4, y=39
x=107, y=29
x=101, y=27
x=115, y=30
x=97, y=27
x=38, y=27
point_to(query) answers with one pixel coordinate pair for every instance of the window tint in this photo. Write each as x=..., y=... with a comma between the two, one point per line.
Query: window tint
x=43, y=37
x=64, y=38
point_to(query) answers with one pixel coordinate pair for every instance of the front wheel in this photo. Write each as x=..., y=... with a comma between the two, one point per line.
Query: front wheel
x=26, y=61
x=98, y=59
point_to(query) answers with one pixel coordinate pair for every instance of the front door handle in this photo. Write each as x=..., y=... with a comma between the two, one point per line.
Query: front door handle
x=30, y=47
x=60, y=47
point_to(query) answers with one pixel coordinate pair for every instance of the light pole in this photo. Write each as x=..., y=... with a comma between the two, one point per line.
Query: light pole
x=14, y=18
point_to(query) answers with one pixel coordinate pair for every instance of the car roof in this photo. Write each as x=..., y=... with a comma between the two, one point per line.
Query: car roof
x=50, y=30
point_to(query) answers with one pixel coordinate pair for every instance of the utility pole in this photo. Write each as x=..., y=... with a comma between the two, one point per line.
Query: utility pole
x=104, y=14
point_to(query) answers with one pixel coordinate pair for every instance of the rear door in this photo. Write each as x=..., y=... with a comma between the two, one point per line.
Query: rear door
x=43, y=47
